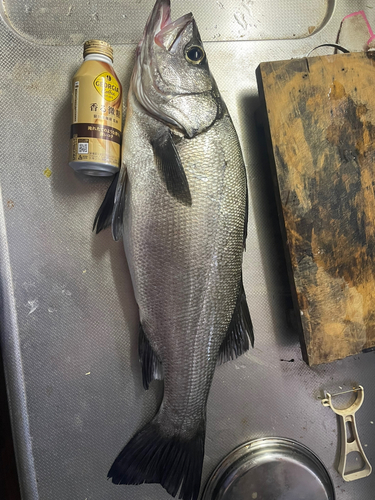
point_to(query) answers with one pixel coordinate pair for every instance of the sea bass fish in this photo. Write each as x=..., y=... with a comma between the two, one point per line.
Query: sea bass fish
x=180, y=204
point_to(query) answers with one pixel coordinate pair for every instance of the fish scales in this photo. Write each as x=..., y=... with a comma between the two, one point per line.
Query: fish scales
x=186, y=261
x=180, y=202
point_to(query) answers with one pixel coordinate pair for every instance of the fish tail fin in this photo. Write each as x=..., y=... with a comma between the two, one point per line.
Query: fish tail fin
x=157, y=456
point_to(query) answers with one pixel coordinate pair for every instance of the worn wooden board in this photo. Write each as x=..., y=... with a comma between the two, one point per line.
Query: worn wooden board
x=321, y=127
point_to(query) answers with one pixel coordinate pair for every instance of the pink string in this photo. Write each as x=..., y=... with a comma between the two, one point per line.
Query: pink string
x=361, y=13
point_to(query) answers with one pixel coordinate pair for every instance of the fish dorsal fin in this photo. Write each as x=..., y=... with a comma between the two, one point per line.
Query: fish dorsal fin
x=240, y=332
x=151, y=365
x=170, y=167
x=103, y=217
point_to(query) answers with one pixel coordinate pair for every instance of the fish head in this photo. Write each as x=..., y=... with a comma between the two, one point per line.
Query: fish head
x=171, y=78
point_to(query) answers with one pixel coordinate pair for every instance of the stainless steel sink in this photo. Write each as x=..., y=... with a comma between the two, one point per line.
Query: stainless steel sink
x=69, y=320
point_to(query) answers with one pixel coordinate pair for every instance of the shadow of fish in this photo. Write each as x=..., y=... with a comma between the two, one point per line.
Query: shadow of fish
x=180, y=203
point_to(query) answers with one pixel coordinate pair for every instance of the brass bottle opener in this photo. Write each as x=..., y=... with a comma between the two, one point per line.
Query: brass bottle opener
x=348, y=415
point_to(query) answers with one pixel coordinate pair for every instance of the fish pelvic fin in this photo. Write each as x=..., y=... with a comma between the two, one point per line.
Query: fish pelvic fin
x=240, y=332
x=170, y=167
x=111, y=211
x=119, y=204
x=103, y=217
x=155, y=456
x=152, y=368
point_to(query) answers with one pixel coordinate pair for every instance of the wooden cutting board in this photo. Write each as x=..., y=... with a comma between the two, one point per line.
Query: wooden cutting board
x=321, y=130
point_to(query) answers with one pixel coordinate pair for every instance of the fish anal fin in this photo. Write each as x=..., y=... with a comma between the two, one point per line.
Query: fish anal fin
x=151, y=365
x=170, y=167
x=240, y=332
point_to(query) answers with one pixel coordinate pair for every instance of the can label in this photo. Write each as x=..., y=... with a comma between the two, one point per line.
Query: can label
x=107, y=86
x=95, y=134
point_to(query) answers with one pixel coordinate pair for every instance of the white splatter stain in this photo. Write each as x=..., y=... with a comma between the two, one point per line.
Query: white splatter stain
x=240, y=18
x=27, y=285
x=78, y=422
x=52, y=310
x=257, y=360
x=32, y=305
x=247, y=4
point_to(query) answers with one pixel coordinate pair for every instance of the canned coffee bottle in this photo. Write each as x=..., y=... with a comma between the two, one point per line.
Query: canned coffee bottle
x=95, y=135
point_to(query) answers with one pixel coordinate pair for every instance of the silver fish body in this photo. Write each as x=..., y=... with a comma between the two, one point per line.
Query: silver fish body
x=186, y=262
x=180, y=204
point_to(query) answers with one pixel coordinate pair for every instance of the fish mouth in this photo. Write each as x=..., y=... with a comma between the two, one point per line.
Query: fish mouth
x=161, y=29
x=160, y=32
x=159, y=17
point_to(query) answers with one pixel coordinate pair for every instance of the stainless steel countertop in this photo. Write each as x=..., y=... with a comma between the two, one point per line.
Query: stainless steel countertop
x=69, y=320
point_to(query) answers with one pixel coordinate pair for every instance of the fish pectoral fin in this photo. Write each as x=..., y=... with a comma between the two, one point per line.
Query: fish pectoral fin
x=170, y=167
x=152, y=368
x=103, y=217
x=240, y=332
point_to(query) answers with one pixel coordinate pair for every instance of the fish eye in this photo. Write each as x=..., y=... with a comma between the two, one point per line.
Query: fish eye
x=195, y=54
